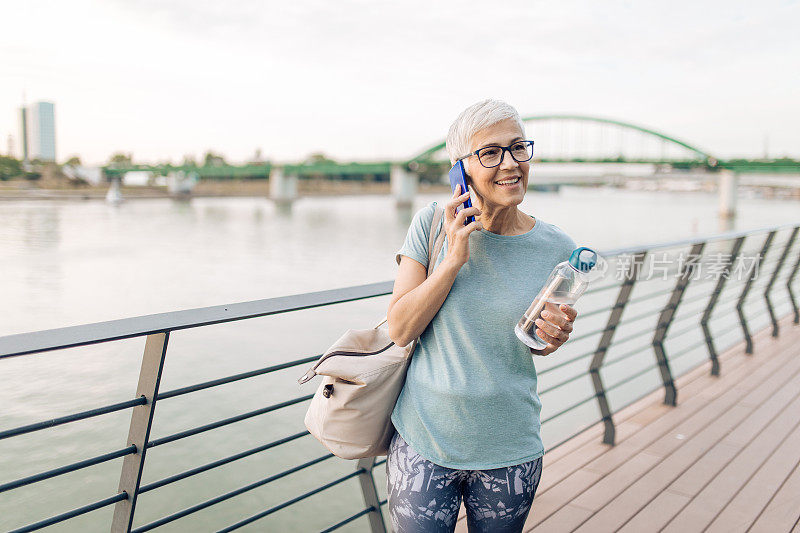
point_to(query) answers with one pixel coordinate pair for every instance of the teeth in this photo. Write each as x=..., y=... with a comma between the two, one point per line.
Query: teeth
x=507, y=182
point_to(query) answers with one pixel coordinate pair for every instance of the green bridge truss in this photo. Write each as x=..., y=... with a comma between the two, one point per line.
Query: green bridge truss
x=702, y=156
x=426, y=164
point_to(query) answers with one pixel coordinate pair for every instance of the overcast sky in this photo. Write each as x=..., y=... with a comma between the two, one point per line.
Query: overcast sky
x=379, y=79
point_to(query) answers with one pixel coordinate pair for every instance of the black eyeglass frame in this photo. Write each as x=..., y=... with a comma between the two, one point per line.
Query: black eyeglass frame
x=502, y=154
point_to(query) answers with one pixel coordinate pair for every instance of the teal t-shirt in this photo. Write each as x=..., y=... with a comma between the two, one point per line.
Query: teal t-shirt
x=469, y=401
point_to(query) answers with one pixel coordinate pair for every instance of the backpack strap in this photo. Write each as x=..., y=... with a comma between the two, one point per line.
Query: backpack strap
x=435, y=244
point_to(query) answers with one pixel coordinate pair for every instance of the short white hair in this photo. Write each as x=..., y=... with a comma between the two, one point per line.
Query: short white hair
x=472, y=120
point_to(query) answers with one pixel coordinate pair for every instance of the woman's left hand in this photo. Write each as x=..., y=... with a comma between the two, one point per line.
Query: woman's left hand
x=554, y=327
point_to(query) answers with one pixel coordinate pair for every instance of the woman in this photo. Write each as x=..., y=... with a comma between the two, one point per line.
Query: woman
x=467, y=418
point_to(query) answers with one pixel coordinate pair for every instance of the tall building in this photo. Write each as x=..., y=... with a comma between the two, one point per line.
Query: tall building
x=23, y=131
x=41, y=126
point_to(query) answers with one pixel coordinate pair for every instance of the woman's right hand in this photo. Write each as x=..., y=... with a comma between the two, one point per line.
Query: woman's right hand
x=457, y=232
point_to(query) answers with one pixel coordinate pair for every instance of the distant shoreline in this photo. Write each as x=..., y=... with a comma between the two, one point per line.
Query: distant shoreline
x=11, y=191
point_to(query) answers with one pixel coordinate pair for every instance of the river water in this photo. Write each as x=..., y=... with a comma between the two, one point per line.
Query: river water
x=67, y=263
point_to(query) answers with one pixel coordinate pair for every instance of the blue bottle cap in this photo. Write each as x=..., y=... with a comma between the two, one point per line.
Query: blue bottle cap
x=585, y=263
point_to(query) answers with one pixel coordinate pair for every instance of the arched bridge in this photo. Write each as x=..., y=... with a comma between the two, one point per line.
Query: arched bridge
x=559, y=138
x=586, y=139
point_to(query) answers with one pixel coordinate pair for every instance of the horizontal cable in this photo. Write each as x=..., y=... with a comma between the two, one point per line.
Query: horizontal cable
x=72, y=418
x=723, y=301
x=292, y=501
x=565, y=382
x=383, y=502
x=728, y=330
x=626, y=405
x=639, y=317
x=346, y=521
x=639, y=397
x=564, y=363
x=720, y=237
x=235, y=377
x=696, y=297
x=215, y=464
x=602, y=288
x=680, y=332
x=752, y=293
x=581, y=431
x=614, y=341
x=630, y=378
x=639, y=333
x=687, y=350
x=620, y=323
x=626, y=355
x=587, y=314
x=380, y=462
x=226, y=421
x=678, y=319
x=587, y=334
x=72, y=514
x=568, y=409
x=650, y=295
x=68, y=468
x=610, y=362
x=229, y=495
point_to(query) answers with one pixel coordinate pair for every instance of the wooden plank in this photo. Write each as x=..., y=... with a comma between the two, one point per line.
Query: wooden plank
x=694, y=481
x=596, y=496
x=561, y=469
x=657, y=429
x=687, y=384
x=559, y=496
x=693, y=446
x=637, y=415
x=566, y=521
x=703, y=471
x=751, y=500
x=703, y=509
x=614, y=511
x=754, y=366
x=783, y=510
x=653, y=517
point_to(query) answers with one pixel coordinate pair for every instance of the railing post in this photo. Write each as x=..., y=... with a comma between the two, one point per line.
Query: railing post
x=774, y=277
x=155, y=350
x=789, y=288
x=631, y=275
x=712, y=352
x=747, y=338
x=664, y=321
x=376, y=524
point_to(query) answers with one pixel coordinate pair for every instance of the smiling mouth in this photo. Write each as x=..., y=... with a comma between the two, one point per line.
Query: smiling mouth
x=509, y=182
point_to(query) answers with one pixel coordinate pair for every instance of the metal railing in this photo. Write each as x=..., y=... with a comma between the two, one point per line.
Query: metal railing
x=777, y=264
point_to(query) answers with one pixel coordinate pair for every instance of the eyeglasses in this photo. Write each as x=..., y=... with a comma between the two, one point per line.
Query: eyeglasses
x=492, y=156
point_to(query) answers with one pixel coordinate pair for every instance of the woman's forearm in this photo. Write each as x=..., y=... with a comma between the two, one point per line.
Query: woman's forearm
x=411, y=314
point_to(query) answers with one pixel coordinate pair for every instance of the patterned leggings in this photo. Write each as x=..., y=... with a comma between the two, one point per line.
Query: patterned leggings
x=426, y=497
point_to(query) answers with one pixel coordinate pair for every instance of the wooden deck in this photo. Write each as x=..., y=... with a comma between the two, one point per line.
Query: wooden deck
x=726, y=459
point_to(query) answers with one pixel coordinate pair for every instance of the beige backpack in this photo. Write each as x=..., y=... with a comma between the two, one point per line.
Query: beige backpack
x=364, y=372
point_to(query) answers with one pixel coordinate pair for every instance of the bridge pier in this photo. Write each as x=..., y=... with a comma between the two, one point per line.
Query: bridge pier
x=114, y=194
x=282, y=187
x=728, y=185
x=403, y=184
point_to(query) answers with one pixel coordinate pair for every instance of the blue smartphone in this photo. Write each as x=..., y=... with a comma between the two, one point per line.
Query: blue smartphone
x=459, y=177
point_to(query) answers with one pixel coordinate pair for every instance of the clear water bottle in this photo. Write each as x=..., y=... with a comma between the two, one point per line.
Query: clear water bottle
x=566, y=283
